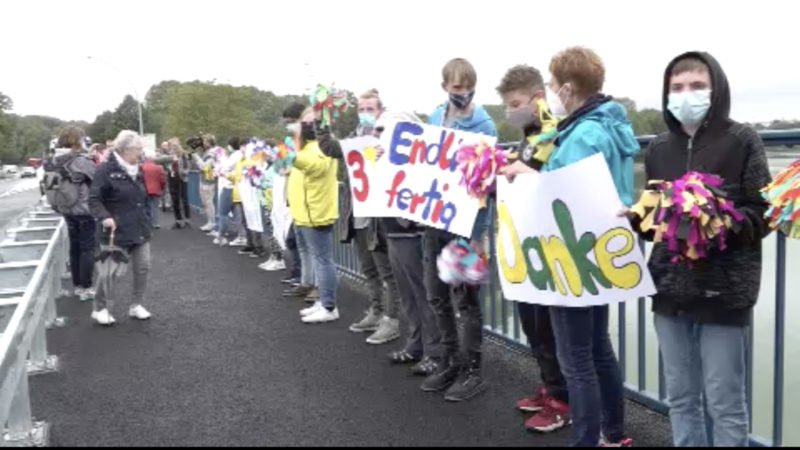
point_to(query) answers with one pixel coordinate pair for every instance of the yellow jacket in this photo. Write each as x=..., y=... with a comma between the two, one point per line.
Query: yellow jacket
x=236, y=176
x=312, y=188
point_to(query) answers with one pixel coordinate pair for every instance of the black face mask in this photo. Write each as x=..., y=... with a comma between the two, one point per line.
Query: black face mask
x=307, y=131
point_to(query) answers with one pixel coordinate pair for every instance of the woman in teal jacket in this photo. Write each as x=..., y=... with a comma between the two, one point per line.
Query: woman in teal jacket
x=594, y=124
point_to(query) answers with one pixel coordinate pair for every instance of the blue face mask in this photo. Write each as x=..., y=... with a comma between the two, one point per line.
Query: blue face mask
x=690, y=108
x=366, y=119
x=462, y=101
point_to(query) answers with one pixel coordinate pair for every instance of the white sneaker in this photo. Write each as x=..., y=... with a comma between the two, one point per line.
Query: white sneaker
x=207, y=227
x=138, y=312
x=311, y=309
x=265, y=266
x=213, y=233
x=221, y=241
x=103, y=317
x=321, y=315
x=238, y=242
x=276, y=265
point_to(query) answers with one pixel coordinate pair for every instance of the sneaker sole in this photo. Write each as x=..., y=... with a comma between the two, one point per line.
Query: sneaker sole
x=362, y=330
x=529, y=409
x=383, y=341
x=547, y=429
x=438, y=389
x=320, y=321
x=481, y=387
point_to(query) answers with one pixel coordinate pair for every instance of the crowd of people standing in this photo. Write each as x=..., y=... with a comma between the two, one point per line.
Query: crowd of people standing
x=702, y=340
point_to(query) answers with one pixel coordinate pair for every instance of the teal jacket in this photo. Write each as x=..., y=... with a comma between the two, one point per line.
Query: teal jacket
x=600, y=126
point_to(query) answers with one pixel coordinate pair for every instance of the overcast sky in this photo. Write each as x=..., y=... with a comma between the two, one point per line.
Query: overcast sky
x=397, y=46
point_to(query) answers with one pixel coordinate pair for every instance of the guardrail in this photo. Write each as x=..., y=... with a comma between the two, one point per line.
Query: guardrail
x=501, y=320
x=32, y=259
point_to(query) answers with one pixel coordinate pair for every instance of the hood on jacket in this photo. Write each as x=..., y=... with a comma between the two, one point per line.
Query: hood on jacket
x=475, y=121
x=719, y=112
x=612, y=116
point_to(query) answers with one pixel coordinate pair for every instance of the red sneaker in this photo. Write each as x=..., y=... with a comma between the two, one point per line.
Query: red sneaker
x=534, y=403
x=554, y=416
x=625, y=442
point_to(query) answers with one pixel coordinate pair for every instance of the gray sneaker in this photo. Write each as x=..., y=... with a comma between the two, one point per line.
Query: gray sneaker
x=368, y=323
x=388, y=330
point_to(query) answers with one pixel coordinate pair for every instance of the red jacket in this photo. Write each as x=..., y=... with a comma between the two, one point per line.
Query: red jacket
x=155, y=178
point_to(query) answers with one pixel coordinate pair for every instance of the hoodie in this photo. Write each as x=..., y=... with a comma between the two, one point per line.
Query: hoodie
x=599, y=126
x=478, y=121
x=722, y=288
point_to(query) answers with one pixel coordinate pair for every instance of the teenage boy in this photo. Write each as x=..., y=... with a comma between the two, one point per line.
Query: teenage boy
x=522, y=91
x=460, y=369
x=370, y=239
x=702, y=311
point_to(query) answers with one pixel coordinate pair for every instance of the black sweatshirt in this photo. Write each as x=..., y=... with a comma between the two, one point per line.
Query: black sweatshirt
x=722, y=288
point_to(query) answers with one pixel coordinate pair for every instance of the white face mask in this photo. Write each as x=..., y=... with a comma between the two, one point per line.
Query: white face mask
x=554, y=102
x=691, y=107
x=293, y=127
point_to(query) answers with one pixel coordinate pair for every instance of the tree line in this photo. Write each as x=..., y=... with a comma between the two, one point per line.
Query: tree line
x=182, y=109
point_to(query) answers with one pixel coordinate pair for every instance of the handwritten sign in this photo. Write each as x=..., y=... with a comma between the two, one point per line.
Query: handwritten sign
x=561, y=243
x=416, y=179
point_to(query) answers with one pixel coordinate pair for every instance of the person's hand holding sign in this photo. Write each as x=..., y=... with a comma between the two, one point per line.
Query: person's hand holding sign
x=512, y=170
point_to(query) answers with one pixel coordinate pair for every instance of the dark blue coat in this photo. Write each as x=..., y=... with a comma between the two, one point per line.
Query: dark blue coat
x=115, y=194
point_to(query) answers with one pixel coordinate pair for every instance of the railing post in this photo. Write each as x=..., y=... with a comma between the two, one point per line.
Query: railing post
x=21, y=430
x=780, y=323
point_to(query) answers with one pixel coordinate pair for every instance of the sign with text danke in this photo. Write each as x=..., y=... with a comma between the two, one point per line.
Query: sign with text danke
x=417, y=178
x=561, y=243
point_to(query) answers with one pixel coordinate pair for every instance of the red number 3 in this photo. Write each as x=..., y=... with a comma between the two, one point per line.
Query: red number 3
x=355, y=158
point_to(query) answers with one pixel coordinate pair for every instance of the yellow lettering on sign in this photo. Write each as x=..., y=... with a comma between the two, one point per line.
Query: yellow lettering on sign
x=556, y=252
x=515, y=273
x=625, y=277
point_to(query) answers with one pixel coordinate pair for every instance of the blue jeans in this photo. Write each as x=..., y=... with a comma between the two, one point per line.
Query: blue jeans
x=590, y=367
x=223, y=210
x=307, y=272
x=704, y=360
x=320, y=244
x=151, y=208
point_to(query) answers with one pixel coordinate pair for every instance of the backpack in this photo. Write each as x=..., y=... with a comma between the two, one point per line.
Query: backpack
x=61, y=185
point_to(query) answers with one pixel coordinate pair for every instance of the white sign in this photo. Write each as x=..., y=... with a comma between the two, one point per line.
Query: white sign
x=561, y=243
x=251, y=204
x=280, y=216
x=416, y=179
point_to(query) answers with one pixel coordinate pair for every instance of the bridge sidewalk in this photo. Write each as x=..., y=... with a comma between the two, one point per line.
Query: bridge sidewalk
x=225, y=361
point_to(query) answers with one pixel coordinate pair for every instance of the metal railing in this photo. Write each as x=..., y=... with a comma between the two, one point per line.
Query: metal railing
x=32, y=259
x=502, y=321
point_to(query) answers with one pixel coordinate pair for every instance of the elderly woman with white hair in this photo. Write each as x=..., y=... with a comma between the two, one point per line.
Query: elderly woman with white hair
x=117, y=200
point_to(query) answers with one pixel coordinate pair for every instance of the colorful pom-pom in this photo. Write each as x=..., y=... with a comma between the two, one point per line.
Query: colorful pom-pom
x=783, y=196
x=459, y=263
x=329, y=101
x=479, y=165
x=690, y=214
x=284, y=156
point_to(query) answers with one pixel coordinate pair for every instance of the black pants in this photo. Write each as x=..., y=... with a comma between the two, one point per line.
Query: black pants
x=538, y=328
x=255, y=239
x=180, y=198
x=295, y=268
x=441, y=297
x=81, y=230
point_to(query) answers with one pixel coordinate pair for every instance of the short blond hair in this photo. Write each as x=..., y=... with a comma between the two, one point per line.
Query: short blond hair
x=459, y=69
x=581, y=67
x=175, y=144
x=370, y=94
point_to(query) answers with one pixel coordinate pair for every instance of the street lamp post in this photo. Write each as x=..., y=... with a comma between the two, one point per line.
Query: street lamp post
x=135, y=93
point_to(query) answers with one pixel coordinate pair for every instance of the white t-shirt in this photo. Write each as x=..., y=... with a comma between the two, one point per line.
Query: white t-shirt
x=228, y=164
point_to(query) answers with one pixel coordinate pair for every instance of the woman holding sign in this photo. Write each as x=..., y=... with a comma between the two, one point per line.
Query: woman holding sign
x=594, y=124
x=314, y=205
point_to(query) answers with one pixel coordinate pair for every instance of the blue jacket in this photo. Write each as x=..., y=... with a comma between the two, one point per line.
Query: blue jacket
x=477, y=122
x=601, y=126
